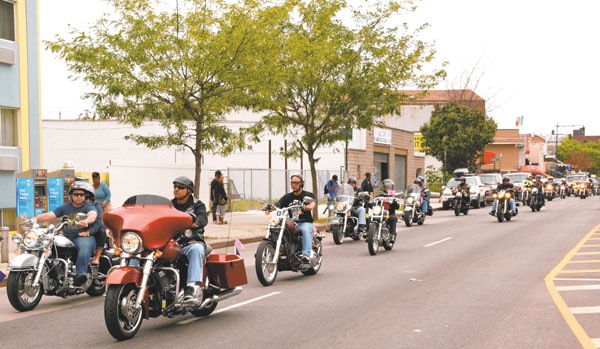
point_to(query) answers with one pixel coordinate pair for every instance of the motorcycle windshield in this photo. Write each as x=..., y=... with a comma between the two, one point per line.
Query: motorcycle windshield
x=415, y=189
x=347, y=190
x=152, y=217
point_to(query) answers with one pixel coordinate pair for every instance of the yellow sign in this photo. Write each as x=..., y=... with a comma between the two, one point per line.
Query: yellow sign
x=418, y=142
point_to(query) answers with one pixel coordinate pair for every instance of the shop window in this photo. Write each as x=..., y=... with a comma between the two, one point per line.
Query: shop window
x=8, y=127
x=7, y=20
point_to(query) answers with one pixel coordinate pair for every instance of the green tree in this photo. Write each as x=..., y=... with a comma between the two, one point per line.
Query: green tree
x=462, y=131
x=584, y=156
x=334, y=76
x=185, y=64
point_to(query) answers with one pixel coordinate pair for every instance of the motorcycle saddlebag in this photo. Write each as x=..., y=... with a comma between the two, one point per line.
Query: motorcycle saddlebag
x=226, y=270
x=429, y=211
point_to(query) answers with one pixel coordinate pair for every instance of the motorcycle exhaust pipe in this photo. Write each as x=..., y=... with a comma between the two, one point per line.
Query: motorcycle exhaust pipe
x=220, y=297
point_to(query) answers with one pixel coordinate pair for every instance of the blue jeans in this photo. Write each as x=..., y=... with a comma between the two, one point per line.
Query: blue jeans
x=511, y=203
x=360, y=213
x=195, y=254
x=85, y=247
x=425, y=205
x=307, y=236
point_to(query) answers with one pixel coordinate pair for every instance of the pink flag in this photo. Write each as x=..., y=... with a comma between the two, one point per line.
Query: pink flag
x=238, y=246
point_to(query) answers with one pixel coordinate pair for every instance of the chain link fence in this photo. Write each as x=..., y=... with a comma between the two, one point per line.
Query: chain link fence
x=253, y=186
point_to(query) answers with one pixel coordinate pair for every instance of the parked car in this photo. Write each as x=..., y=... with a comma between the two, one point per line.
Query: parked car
x=490, y=182
x=477, y=192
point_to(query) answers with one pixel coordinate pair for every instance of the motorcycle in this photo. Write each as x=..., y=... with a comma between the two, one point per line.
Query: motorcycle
x=580, y=190
x=503, y=206
x=535, y=200
x=281, y=248
x=45, y=265
x=525, y=194
x=412, y=207
x=341, y=223
x=562, y=192
x=461, y=202
x=148, y=280
x=378, y=233
x=549, y=190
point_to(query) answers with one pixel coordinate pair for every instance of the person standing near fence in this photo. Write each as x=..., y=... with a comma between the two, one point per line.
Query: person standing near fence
x=102, y=192
x=214, y=186
x=332, y=186
x=221, y=197
x=367, y=185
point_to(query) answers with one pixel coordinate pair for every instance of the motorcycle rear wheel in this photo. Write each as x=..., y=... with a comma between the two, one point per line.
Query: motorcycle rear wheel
x=205, y=311
x=317, y=248
x=338, y=235
x=120, y=325
x=508, y=216
x=19, y=297
x=372, y=241
x=265, y=271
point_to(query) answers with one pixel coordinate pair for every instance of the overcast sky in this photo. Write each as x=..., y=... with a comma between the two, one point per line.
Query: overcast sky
x=539, y=59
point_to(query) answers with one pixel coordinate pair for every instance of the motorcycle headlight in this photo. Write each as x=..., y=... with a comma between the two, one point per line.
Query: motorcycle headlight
x=331, y=207
x=45, y=240
x=17, y=238
x=131, y=243
x=495, y=195
x=508, y=195
x=340, y=206
x=459, y=195
x=549, y=187
x=377, y=210
x=274, y=220
x=534, y=190
x=30, y=239
x=410, y=200
x=188, y=233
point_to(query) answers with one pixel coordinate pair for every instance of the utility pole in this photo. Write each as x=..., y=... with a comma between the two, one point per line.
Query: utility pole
x=556, y=137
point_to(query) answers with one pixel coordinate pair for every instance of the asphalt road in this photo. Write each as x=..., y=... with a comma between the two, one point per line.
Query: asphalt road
x=455, y=282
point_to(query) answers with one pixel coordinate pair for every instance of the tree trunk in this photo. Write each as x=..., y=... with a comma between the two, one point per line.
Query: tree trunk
x=315, y=190
x=197, y=171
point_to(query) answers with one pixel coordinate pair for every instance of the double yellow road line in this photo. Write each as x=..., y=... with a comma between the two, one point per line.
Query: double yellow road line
x=567, y=314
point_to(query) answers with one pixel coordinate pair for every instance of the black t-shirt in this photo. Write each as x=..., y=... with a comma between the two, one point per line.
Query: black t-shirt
x=214, y=185
x=366, y=185
x=291, y=199
x=503, y=186
x=199, y=209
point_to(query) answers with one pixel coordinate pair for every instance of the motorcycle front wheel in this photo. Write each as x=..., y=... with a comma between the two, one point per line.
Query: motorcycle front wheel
x=338, y=234
x=372, y=240
x=408, y=221
x=21, y=296
x=500, y=212
x=457, y=208
x=122, y=318
x=266, y=271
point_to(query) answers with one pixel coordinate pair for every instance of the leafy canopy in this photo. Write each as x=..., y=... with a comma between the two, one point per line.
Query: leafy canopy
x=584, y=156
x=464, y=132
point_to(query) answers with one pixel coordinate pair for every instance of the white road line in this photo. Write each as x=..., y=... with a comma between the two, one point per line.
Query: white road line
x=438, y=242
x=585, y=310
x=231, y=307
x=596, y=342
x=578, y=288
x=576, y=279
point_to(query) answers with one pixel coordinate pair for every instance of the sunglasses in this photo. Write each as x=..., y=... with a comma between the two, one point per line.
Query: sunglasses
x=79, y=194
x=295, y=182
x=180, y=187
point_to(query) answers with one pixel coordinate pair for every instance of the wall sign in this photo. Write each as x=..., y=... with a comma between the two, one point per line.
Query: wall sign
x=55, y=193
x=25, y=197
x=382, y=136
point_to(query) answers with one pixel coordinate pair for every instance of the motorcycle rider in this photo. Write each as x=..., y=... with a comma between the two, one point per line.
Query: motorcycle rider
x=505, y=185
x=193, y=246
x=79, y=235
x=304, y=220
x=98, y=231
x=387, y=185
x=537, y=183
x=358, y=206
x=425, y=192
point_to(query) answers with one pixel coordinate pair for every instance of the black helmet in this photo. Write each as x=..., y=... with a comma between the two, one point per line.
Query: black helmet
x=81, y=185
x=183, y=180
x=417, y=181
x=388, y=184
x=462, y=179
x=505, y=178
x=351, y=180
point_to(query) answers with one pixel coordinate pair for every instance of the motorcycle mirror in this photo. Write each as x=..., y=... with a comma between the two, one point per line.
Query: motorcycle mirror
x=443, y=187
x=81, y=216
x=51, y=227
x=308, y=200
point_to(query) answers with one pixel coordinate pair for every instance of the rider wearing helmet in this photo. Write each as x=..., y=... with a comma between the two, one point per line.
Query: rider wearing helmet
x=358, y=209
x=304, y=220
x=193, y=245
x=80, y=235
x=537, y=183
x=97, y=230
x=506, y=185
x=426, y=194
x=387, y=186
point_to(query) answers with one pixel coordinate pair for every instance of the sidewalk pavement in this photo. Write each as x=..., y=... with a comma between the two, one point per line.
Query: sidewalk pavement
x=248, y=227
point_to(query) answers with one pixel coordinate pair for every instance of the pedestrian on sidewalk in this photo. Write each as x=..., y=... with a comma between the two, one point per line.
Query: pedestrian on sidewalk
x=102, y=192
x=221, y=198
x=332, y=186
x=367, y=185
x=214, y=184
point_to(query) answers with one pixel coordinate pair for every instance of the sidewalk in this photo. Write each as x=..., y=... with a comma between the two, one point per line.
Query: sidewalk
x=248, y=227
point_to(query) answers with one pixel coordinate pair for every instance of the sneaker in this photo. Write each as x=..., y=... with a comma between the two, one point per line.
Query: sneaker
x=79, y=280
x=493, y=213
x=192, y=293
x=305, y=258
x=513, y=213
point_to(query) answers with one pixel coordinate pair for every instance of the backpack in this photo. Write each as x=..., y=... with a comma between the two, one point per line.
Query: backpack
x=325, y=191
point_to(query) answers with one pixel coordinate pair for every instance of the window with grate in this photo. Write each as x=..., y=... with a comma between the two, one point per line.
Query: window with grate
x=7, y=20
x=8, y=128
